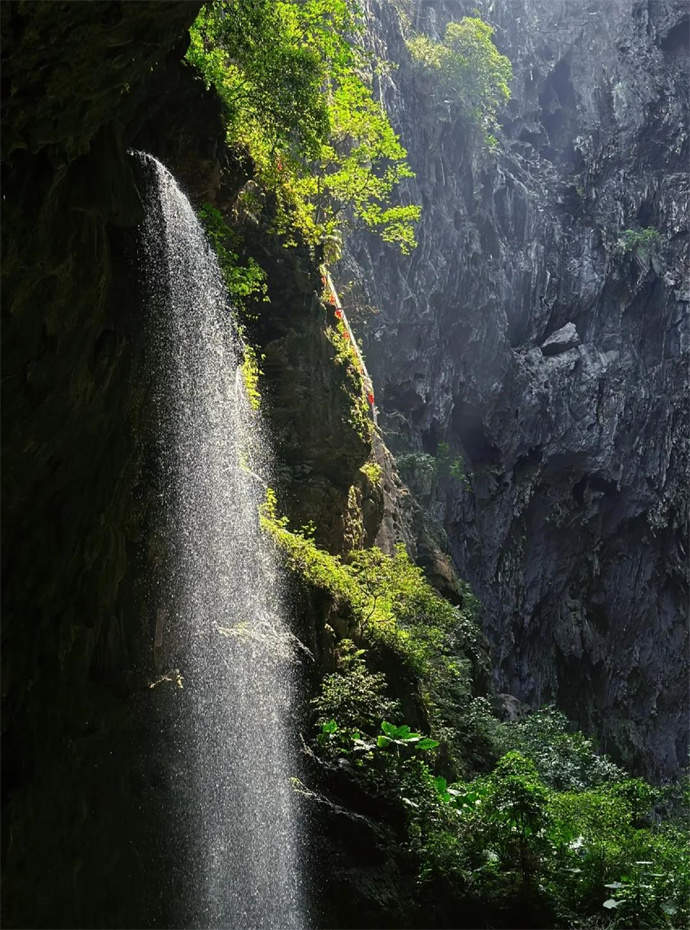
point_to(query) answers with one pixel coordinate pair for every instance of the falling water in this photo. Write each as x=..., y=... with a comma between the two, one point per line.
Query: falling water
x=220, y=621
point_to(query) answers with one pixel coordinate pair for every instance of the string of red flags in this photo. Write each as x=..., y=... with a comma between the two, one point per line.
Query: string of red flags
x=348, y=335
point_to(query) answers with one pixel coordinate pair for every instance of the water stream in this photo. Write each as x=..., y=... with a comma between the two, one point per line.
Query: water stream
x=220, y=620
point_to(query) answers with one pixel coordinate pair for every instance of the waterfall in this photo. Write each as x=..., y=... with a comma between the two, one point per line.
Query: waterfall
x=220, y=631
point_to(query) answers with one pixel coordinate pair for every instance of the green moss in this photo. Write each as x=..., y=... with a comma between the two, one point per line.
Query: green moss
x=250, y=375
x=373, y=472
x=346, y=357
x=244, y=281
x=391, y=607
x=354, y=521
x=303, y=557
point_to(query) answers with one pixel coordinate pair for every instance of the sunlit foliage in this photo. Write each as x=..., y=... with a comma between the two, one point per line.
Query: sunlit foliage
x=467, y=70
x=291, y=77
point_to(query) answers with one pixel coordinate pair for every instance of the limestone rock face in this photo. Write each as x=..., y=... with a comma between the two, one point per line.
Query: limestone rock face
x=550, y=351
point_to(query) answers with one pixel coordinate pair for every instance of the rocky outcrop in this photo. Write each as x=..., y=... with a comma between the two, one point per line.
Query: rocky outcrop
x=549, y=349
x=312, y=399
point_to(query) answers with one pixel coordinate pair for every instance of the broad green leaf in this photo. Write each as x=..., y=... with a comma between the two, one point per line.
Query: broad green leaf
x=427, y=743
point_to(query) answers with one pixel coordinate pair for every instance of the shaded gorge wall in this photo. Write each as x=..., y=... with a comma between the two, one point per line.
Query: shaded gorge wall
x=552, y=359
x=83, y=786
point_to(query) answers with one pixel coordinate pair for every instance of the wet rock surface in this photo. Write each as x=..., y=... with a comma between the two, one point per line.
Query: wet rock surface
x=551, y=356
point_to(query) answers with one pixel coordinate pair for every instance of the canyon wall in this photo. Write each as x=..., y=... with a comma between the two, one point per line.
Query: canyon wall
x=552, y=357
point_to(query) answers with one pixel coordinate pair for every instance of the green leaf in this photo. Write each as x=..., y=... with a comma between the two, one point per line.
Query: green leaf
x=389, y=729
x=611, y=903
x=330, y=726
x=427, y=743
x=383, y=742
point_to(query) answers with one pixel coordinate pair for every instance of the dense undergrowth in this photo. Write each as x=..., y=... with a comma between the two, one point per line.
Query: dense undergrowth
x=521, y=822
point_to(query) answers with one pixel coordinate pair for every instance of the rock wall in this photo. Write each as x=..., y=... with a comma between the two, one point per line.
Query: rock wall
x=524, y=335
x=516, y=251
x=88, y=781
x=83, y=788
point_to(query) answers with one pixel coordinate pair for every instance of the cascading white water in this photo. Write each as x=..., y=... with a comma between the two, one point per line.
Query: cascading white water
x=220, y=618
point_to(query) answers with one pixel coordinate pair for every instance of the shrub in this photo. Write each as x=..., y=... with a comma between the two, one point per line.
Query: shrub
x=420, y=469
x=353, y=696
x=565, y=760
x=467, y=68
x=373, y=472
x=642, y=242
x=290, y=75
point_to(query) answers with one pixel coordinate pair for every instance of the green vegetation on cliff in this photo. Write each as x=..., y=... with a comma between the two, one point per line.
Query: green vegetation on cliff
x=387, y=603
x=291, y=77
x=244, y=280
x=503, y=823
x=522, y=823
x=466, y=69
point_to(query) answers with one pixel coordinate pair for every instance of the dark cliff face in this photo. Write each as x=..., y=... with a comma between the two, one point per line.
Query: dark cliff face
x=525, y=336
x=82, y=780
x=88, y=780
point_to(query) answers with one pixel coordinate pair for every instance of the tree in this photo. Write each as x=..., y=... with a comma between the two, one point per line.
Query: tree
x=289, y=74
x=565, y=760
x=467, y=68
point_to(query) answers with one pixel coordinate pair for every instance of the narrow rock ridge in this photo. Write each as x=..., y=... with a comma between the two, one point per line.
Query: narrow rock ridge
x=551, y=354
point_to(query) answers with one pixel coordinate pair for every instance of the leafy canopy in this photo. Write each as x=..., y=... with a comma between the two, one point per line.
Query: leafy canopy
x=290, y=75
x=565, y=760
x=468, y=69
